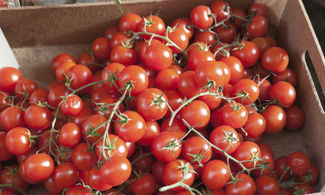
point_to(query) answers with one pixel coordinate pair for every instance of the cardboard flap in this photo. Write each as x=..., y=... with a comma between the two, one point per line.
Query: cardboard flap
x=7, y=58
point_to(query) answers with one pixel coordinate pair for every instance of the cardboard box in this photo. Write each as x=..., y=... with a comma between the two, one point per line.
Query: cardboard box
x=37, y=34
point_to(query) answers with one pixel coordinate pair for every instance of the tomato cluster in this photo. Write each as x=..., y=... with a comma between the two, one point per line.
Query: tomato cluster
x=157, y=109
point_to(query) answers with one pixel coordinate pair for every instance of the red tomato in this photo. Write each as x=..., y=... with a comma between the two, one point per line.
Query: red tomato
x=25, y=87
x=167, y=79
x=111, y=31
x=196, y=150
x=180, y=38
x=275, y=118
x=287, y=75
x=152, y=131
x=210, y=71
x=82, y=158
x=257, y=9
x=51, y=187
x=264, y=43
x=173, y=173
x=311, y=176
x=81, y=76
x=78, y=190
x=55, y=94
x=225, y=138
x=236, y=68
x=18, y=141
x=266, y=185
x=166, y=147
x=196, y=58
x=152, y=24
x=12, y=117
x=244, y=185
x=111, y=146
x=255, y=125
x=234, y=115
x=9, y=77
x=239, y=13
x=248, y=54
x=186, y=84
x=250, y=152
x=226, y=33
x=196, y=114
x=111, y=69
x=156, y=55
x=299, y=163
x=183, y=24
x=145, y=185
x=246, y=86
x=283, y=93
x=92, y=128
x=70, y=135
x=65, y=175
x=88, y=59
x=116, y=170
x=37, y=118
x=221, y=9
x=258, y=27
x=215, y=174
x=60, y=59
x=9, y=175
x=39, y=167
x=123, y=55
x=177, y=127
x=96, y=181
x=275, y=59
x=129, y=22
x=38, y=96
x=62, y=69
x=266, y=167
x=101, y=47
x=152, y=104
x=295, y=117
x=200, y=17
x=281, y=167
x=131, y=128
x=206, y=37
x=137, y=76
x=72, y=105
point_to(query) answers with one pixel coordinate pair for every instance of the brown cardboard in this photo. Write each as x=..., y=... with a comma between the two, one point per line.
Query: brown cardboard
x=37, y=34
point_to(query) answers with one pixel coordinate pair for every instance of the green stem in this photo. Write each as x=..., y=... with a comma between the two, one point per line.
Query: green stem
x=13, y=187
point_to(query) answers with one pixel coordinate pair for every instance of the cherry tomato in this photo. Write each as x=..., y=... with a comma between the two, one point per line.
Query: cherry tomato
x=37, y=118
x=275, y=59
x=118, y=39
x=210, y=71
x=246, y=86
x=267, y=166
x=295, y=117
x=107, y=75
x=196, y=58
x=244, y=185
x=78, y=190
x=221, y=9
x=257, y=9
x=156, y=55
x=62, y=69
x=215, y=174
x=248, y=151
x=111, y=146
x=137, y=76
x=234, y=114
x=152, y=131
x=96, y=180
x=116, y=170
x=213, y=101
x=65, y=175
x=82, y=158
x=18, y=141
x=283, y=92
x=239, y=13
x=129, y=22
x=167, y=79
x=81, y=76
x=226, y=33
x=92, y=128
x=287, y=75
x=123, y=55
x=144, y=185
x=225, y=138
x=186, y=84
x=39, y=167
x=60, y=59
x=55, y=94
x=236, y=68
x=281, y=167
x=111, y=31
x=152, y=104
x=201, y=17
x=9, y=175
x=299, y=163
x=196, y=146
x=311, y=176
x=25, y=87
x=264, y=87
x=12, y=117
x=166, y=147
x=131, y=128
x=38, y=96
x=174, y=172
x=176, y=127
x=72, y=105
x=183, y=24
x=152, y=24
x=88, y=59
x=70, y=135
x=196, y=114
x=267, y=185
x=275, y=118
x=180, y=38
x=255, y=125
x=258, y=27
x=206, y=37
x=101, y=47
x=263, y=43
x=51, y=187
x=248, y=54
x=303, y=189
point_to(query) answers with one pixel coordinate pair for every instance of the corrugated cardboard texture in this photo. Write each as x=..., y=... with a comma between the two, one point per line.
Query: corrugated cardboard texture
x=38, y=34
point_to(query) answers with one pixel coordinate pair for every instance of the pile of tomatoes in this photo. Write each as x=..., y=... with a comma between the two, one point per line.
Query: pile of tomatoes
x=156, y=109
